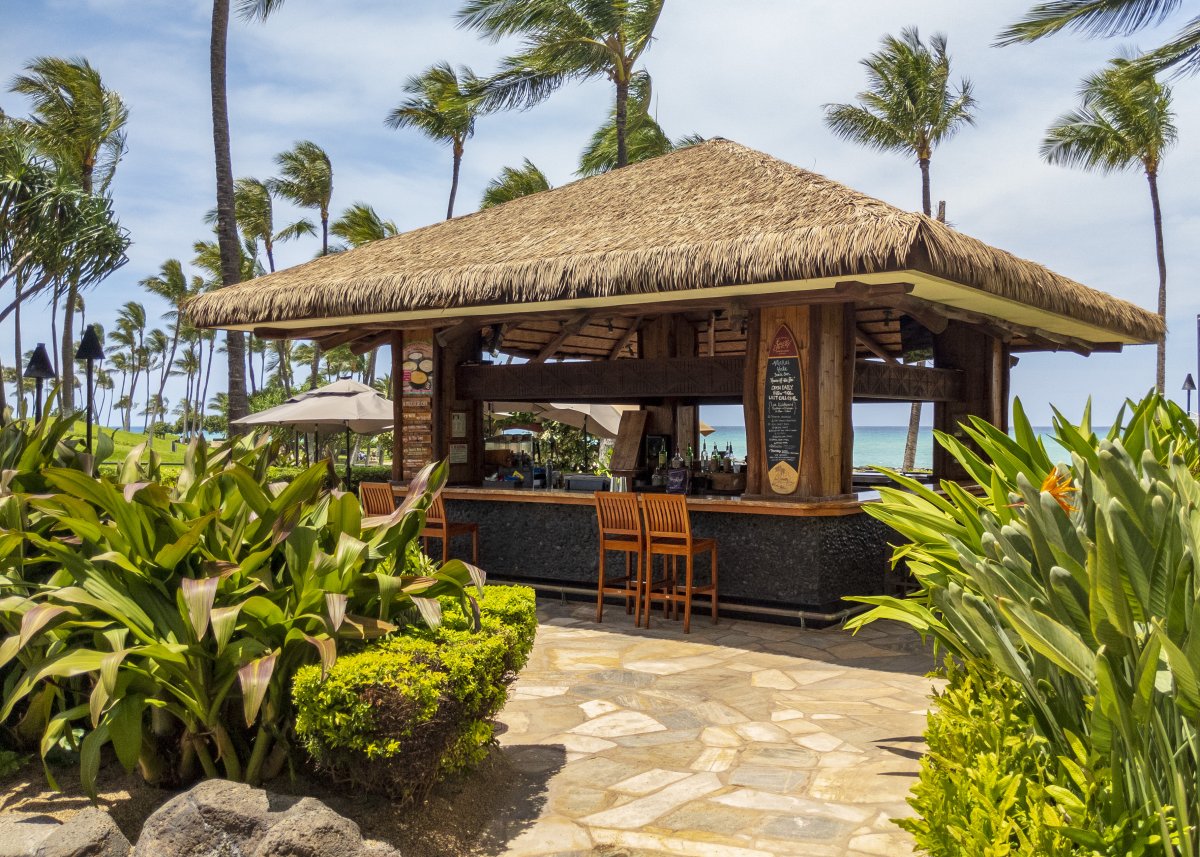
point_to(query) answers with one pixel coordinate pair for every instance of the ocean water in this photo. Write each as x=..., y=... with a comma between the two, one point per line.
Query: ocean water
x=874, y=446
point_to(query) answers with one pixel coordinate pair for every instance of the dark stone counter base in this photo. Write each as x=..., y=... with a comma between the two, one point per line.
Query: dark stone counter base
x=785, y=562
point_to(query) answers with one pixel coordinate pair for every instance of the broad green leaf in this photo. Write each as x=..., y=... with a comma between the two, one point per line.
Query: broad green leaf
x=198, y=596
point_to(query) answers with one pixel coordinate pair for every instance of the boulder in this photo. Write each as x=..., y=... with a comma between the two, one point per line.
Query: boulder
x=223, y=819
x=216, y=818
x=22, y=833
x=310, y=829
x=91, y=833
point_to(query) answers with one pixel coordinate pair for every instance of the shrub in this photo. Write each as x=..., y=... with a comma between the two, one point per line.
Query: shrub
x=417, y=706
x=168, y=622
x=1078, y=584
x=983, y=782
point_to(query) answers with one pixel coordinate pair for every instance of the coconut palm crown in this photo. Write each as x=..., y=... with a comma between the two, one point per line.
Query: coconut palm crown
x=1106, y=18
x=513, y=183
x=564, y=41
x=1124, y=121
x=361, y=224
x=306, y=179
x=442, y=103
x=909, y=105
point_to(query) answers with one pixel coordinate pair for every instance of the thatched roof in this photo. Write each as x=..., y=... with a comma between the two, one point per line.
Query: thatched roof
x=716, y=214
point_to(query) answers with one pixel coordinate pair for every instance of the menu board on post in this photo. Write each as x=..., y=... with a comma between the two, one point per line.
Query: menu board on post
x=417, y=391
x=782, y=412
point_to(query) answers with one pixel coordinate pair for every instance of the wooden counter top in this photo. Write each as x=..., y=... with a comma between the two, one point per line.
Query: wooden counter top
x=735, y=505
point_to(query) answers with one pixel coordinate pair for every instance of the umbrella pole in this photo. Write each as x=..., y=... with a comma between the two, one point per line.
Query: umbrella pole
x=347, y=458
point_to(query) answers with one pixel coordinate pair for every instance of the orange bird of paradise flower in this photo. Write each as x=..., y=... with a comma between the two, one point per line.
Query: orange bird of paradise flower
x=1058, y=485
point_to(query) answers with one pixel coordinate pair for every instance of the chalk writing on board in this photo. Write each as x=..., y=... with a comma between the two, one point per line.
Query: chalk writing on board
x=782, y=412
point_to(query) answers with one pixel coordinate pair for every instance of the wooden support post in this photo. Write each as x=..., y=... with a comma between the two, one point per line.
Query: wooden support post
x=752, y=405
x=802, y=392
x=983, y=360
x=397, y=408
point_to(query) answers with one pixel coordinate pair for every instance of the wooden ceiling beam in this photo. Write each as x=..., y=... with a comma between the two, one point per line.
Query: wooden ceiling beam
x=374, y=340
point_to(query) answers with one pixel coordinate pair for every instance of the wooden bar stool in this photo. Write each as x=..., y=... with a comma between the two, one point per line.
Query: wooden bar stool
x=669, y=535
x=620, y=530
x=437, y=527
x=376, y=498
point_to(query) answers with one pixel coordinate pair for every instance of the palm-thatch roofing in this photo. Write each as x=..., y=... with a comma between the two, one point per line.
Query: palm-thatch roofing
x=711, y=216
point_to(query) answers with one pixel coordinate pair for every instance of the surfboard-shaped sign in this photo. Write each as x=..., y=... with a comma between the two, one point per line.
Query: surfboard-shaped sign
x=783, y=419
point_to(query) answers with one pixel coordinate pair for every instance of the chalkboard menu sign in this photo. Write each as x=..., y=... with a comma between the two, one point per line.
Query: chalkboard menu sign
x=782, y=412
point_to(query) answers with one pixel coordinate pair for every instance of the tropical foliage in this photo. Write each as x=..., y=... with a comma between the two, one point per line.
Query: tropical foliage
x=1076, y=582
x=514, y=182
x=169, y=622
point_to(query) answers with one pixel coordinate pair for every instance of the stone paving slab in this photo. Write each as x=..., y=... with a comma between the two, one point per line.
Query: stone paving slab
x=743, y=739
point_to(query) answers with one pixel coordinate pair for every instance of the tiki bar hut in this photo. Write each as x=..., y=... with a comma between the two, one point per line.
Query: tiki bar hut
x=712, y=275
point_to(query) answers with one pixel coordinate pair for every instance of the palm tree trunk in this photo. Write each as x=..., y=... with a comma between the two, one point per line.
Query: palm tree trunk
x=285, y=368
x=926, y=201
x=914, y=412
x=212, y=347
x=227, y=240
x=458, y=153
x=250, y=364
x=166, y=372
x=622, y=116
x=315, y=366
x=19, y=355
x=1160, y=374
x=68, y=348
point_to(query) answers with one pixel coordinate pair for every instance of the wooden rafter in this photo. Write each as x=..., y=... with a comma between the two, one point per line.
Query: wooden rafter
x=874, y=346
x=569, y=328
x=625, y=337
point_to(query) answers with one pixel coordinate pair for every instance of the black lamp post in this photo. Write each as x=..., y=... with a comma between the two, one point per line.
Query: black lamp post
x=1188, y=386
x=90, y=351
x=39, y=369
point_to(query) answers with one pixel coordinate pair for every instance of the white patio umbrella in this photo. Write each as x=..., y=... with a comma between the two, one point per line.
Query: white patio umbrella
x=600, y=420
x=346, y=405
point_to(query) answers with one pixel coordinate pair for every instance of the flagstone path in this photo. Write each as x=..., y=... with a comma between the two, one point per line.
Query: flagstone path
x=744, y=739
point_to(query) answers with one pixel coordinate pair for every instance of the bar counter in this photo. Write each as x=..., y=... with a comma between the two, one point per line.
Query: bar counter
x=787, y=555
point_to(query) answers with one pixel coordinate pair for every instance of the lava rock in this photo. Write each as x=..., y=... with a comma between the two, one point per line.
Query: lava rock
x=91, y=833
x=22, y=833
x=222, y=819
x=216, y=818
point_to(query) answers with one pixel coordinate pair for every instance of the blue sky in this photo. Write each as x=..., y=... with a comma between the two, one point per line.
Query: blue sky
x=755, y=71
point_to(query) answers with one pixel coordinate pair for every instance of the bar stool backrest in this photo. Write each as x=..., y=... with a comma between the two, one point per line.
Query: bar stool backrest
x=666, y=517
x=436, y=513
x=617, y=514
x=376, y=498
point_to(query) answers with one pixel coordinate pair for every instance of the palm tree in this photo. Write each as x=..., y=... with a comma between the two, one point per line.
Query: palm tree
x=79, y=124
x=443, y=104
x=1112, y=18
x=565, y=40
x=129, y=343
x=171, y=284
x=306, y=179
x=514, y=182
x=226, y=225
x=155, y=350
x=1124, y=121
x=909, y=106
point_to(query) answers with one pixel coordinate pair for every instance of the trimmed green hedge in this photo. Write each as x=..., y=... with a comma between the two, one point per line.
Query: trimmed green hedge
x=982, y=787
x=413, y=708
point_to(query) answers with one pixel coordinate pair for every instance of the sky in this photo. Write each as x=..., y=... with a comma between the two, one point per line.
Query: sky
x=754, y=71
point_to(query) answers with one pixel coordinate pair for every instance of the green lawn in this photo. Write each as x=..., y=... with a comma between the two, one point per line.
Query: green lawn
x=127, y=440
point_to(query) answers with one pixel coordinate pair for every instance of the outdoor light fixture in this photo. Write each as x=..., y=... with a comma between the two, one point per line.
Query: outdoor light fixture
x=1188, y=386
x=90, y=351
x=39, y=369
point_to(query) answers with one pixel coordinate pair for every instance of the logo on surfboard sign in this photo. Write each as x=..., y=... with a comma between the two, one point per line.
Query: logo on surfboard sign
x=783, y=419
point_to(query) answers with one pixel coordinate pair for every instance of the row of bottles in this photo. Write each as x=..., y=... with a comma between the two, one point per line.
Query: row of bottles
x=717, y=461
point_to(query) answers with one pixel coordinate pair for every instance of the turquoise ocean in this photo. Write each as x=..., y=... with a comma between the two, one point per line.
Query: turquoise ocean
x=873, y=445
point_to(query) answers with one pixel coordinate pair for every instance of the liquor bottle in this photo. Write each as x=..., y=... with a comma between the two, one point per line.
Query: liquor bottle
x=691, y=456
